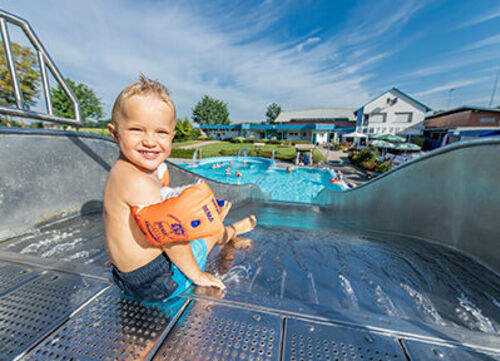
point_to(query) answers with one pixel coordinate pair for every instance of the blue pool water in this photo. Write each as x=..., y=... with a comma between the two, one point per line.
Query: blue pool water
x=301, y=185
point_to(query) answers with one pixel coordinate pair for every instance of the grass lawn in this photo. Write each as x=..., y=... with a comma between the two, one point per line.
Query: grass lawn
x=283, y=152
x=187, y=142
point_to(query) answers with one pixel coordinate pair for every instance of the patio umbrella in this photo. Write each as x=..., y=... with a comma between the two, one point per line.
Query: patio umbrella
x=408, y=146
x=382, y=144
x=390, y=138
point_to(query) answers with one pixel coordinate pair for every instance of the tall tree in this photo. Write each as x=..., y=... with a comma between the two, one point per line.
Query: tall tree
x=211, y=111
x=184, y=130
x=90, y=104
x=272, y=112
x=26, y=64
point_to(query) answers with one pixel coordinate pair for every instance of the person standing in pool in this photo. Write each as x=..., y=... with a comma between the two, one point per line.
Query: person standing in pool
x=143, y=125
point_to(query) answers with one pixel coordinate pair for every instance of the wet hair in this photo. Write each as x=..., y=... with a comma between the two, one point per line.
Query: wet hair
x=144, y=86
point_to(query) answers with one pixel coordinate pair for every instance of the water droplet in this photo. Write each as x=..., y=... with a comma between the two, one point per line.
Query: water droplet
x=257, y=317
x=438, y=352
x=369, y=339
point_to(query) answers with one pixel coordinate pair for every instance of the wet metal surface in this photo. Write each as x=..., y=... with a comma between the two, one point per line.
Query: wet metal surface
x=307, y=341
x=35, y=308
x=355, y=280
x=208, y=332
x=429, y=352
x=110, y=328
x=12, y=276
x=79, y=239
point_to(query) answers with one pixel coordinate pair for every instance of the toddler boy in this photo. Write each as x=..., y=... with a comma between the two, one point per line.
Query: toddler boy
x=143, y=125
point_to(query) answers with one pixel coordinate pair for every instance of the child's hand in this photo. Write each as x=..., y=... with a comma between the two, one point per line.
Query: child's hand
x=207, y=280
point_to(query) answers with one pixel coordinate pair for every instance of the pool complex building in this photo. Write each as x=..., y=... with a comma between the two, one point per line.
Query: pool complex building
x=404, y=267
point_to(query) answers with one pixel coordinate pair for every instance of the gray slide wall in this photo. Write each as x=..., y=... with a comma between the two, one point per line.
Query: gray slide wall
x=450, y=196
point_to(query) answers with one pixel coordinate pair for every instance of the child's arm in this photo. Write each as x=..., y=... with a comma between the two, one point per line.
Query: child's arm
x=145, y=191
x=181, y=255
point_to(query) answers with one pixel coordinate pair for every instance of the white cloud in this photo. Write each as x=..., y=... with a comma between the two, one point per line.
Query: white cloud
x=480, y=19
x=492, y=40
x=452, y=85
x=307, y=42
x=213, y=50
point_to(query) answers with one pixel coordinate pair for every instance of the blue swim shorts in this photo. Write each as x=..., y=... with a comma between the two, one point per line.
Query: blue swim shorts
x=160, y=279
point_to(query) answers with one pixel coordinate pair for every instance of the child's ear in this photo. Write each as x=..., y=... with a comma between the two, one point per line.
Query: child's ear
x=112, y=130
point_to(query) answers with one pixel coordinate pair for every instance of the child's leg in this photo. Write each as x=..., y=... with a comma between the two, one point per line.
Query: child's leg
x=199, y=250
x=231, y=231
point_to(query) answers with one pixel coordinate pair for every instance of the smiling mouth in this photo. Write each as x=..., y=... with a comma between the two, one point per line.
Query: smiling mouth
x=149, y=155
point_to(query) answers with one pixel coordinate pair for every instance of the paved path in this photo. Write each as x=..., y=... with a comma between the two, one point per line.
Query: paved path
x=197, y=145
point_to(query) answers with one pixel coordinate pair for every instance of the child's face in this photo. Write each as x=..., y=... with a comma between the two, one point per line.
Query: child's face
x=144, y=131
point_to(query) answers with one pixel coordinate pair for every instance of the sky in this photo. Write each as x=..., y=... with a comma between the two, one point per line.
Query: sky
x=298, y=54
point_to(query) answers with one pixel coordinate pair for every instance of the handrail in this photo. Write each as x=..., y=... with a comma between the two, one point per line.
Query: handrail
x=44, y=61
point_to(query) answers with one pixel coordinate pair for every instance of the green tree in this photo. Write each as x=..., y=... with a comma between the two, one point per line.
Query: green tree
x=272, y=112
x=211, y=111
x=26, y=64
x=90, y=104
x=184, y=130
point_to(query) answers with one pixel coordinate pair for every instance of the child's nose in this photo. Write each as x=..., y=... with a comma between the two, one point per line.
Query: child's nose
x=148, y=140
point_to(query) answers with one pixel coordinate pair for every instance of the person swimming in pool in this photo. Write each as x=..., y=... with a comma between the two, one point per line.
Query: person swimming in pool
x=228, y=171
x=143, y=125
x=238, y=173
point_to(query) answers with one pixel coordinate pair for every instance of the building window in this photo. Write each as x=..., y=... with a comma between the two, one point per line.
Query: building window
x=365, y=130
x=370, y=130
x=487, y=120
x=365, y=119
x=403, y=117
x=378, y=117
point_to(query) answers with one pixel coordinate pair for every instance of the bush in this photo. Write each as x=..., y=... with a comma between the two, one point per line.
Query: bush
x=237, y=140
x=99, y=131
x=202, y=137
x=383, y=167
x=364, y=155
x=317, y=156
x=228, y=152
x=368, y=164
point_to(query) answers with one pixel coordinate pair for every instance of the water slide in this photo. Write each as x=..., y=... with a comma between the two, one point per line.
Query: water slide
x=404, y=267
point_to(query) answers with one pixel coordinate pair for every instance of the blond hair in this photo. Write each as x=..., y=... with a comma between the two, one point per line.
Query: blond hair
x=144, y=86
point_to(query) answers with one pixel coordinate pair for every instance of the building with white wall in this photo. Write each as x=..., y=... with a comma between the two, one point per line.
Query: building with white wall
x=316, y=115
x=393, y=112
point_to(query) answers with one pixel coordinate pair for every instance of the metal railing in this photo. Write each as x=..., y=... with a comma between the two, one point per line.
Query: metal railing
x=20, y=109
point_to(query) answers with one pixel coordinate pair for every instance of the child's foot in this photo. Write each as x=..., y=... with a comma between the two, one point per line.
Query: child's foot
x=237, y=228
x=225, y=209
x=244, y=226
x=241, y=242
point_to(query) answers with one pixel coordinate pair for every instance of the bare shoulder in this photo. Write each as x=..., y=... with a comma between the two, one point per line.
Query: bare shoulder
x=132, y=186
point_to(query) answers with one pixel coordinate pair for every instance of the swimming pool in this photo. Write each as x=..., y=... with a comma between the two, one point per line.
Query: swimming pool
x=300, y=185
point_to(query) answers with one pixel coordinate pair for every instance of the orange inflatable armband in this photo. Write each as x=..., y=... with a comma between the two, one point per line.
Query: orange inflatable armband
x=187, y=213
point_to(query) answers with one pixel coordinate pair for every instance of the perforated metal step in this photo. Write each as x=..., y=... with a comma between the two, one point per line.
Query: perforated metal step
x=109, y=328
x=307, y=341
x=29, y=312
x=215, y=333
x=12, y=276
x=429, y=352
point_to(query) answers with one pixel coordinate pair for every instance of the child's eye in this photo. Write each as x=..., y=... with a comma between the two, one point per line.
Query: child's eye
x=162, y=132
x=135, y=129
